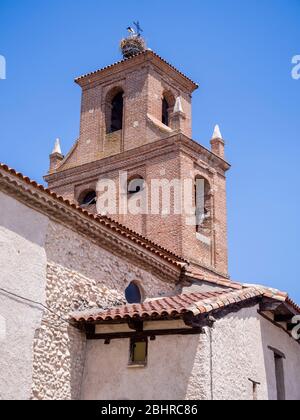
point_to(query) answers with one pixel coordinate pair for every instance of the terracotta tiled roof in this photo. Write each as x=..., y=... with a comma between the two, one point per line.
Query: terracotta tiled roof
x=104, y=220
x=147, y=52
x=268, y=291
x=176, y=306
x=168, y=306
x=171, y=307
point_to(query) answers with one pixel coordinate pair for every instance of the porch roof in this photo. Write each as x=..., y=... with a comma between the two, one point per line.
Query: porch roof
x=178, y=306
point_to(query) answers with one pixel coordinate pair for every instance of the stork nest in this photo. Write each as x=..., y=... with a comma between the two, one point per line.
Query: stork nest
x=132, y=46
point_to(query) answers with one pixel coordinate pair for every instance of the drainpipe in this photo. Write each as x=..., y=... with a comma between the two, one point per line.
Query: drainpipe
x=211, y=363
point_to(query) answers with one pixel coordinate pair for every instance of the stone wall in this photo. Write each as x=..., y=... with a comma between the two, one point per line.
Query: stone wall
x=59, y=348
x=80, y=275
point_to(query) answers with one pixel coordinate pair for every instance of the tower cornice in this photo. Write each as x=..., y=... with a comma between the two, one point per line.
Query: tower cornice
x=146, y=57
x=120, y=161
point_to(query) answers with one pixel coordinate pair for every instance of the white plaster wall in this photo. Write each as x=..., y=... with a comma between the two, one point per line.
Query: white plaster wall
x=173, y=370
x=23, y=272
x=216, y=366
x=278, y=339
x=237, y=356
x=204, y=367
x=240, y=347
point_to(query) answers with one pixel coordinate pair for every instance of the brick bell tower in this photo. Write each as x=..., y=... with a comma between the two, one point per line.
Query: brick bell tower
x=136, y=118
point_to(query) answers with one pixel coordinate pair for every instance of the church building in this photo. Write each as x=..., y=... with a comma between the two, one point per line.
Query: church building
x=134, y=301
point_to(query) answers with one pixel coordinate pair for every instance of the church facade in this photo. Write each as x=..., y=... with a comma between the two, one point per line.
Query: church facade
x=134, y=300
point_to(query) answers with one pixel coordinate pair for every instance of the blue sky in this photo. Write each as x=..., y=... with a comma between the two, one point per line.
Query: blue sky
x=239, y=52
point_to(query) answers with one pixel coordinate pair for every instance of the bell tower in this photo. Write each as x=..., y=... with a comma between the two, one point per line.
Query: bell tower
x=136, y=117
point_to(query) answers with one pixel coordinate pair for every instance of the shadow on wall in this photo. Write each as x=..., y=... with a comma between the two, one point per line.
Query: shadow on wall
x=77, y=356
x=177, y=369
x=269, y=360
x=282, y=362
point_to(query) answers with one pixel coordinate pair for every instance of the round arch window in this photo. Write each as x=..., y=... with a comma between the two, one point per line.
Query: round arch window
x=168, y=103
x=88, y=199
x=114, y=106
x=136, y=185
x=133, y=293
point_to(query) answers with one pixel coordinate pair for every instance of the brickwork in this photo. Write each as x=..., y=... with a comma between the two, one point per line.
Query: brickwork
x=144, y=84
x=147, y=148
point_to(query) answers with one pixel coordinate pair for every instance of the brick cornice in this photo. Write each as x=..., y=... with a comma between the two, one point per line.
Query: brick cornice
x=91, y=79
x=174, y=143
x=118, y=161
x=187, y=143
x=209, y=269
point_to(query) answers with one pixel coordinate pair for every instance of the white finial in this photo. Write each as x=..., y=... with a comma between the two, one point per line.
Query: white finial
x=178, y=105
x=57, y=148
x=217, y=133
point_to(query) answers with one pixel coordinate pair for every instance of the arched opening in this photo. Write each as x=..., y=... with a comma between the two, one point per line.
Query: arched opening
x=114, y=110
x=133, y=293
x=165, y=112
x=88, y=198
x=135, y=185
x=203, y=200
x=168, y=103
x=117, y=113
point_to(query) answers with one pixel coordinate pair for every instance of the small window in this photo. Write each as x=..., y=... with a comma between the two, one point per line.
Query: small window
x=88, y=199
x=138, y=351
x=133, y=294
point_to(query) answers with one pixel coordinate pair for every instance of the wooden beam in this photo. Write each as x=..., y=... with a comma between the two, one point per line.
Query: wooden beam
x=283, y=318
x=89, y=329
x=136, y=324
x=269, y=305
x=286, y=330
x=114, y=336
